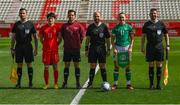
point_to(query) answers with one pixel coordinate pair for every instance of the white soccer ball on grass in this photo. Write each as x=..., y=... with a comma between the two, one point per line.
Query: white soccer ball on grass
x=105, y=86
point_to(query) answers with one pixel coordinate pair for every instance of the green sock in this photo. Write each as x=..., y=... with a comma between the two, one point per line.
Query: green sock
x=128, y=76
x=116, y=75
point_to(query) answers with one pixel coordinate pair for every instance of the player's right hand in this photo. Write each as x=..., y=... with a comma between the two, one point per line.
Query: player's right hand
x=86, y=53
x=115, y=51
x=35, y=52
x=143, y=51
x=12, y=52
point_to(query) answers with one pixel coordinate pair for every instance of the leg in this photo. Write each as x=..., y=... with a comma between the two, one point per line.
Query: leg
x=55, y=67
x=159, y=60
x=77, y=74
x=158, y=74
x=55, y=60
x=151, y=75
x=116, y=72
x=66, y=74
x=91, y=74
x=30, y=74
x=116, y=75
x=19, y=72
x=46, y=76
x=103, y=72
x=76, y=59
x=128, y=78
x=19, y=60
x=29, y=58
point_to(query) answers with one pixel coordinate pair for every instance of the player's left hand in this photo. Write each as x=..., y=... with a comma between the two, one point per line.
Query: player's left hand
x=130, y=49
x=168, y=48
x=108, y=53
x=35, y=52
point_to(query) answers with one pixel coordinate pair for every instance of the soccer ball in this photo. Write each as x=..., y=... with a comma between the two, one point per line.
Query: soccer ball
x=105, y=86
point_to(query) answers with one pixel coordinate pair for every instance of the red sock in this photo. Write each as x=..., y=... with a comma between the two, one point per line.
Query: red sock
x=46, y=76
x=55, y=76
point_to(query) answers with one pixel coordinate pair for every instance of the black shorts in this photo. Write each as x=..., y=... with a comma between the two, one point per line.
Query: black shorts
x=71, y=55
x=24, y=51
x=154, y=54
x=97, y=53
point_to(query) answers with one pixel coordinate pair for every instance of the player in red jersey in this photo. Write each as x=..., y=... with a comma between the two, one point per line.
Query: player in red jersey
x=72, y=33
x=49, y=37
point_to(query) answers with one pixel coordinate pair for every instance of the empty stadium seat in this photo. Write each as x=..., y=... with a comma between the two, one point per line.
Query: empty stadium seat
x=135, y=9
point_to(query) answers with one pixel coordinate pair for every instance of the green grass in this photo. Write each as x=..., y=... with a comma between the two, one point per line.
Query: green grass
x=141, y=94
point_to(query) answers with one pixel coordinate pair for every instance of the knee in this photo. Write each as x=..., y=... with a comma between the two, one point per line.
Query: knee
x=151, y=64
x=102, y=66
x=116, y=67
x=159, y=64
x=29, y=65
x=93, y=65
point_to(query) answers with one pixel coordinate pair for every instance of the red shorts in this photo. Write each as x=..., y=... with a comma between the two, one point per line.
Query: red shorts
x=50, y=58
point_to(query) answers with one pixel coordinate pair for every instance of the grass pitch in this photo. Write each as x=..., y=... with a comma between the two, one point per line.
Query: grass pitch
x=140, y=95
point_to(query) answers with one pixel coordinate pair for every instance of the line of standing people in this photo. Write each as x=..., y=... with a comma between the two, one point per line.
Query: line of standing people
x=97, y=46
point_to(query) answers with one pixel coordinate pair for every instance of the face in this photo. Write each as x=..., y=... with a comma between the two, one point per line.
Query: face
x=51, y=20
x=153, y=15
x=97, y=17
x=71, y=16
x=122, y=18
x=23, y=14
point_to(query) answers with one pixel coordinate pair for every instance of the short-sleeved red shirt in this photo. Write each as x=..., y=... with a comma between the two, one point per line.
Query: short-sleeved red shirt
x=72, y=34
x=50, y=35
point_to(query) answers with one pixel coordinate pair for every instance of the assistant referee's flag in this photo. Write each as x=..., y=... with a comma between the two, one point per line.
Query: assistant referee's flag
x=13, y=75
x=166, y=70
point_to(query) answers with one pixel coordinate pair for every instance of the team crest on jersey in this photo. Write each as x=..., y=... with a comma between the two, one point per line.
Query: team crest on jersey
x=67, y=28
x=101, y=35
x=27, y=31
x=75, y=28
x=159, y=32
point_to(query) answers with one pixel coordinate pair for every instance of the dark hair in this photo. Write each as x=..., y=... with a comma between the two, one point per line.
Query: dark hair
x=153, y=9
x=71, y=10
x=51, y=14
x=121, y=13
x=21, y=9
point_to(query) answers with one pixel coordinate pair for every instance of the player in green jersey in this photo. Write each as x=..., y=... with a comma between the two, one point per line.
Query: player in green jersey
x=122, y=41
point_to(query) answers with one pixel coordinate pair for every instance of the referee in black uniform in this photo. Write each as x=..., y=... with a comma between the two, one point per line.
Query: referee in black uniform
x=97, y=46
x=154, y=30
x=22, y=33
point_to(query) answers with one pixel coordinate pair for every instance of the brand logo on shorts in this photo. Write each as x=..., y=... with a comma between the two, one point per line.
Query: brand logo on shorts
x=101, y=35
x=159, y=32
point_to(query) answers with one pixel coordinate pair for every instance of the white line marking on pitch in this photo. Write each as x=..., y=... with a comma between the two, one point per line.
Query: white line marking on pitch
x=81, y=92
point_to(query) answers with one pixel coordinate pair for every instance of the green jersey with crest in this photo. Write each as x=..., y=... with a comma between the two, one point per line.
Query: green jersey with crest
x=122, y=32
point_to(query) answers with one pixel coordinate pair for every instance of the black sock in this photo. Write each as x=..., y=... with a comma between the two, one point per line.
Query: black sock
x=19, y=73
x=103, y=74
x=30, y=74
x=91, y=75
x=77, y=74
x=66, y=74
x=158, y=74
x=151, y=75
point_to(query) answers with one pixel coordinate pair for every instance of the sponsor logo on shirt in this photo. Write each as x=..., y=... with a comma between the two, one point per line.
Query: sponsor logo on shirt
x=75, y=28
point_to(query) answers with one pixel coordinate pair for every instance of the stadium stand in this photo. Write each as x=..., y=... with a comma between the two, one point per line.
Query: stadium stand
x=5, y=6
x=137, y=11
